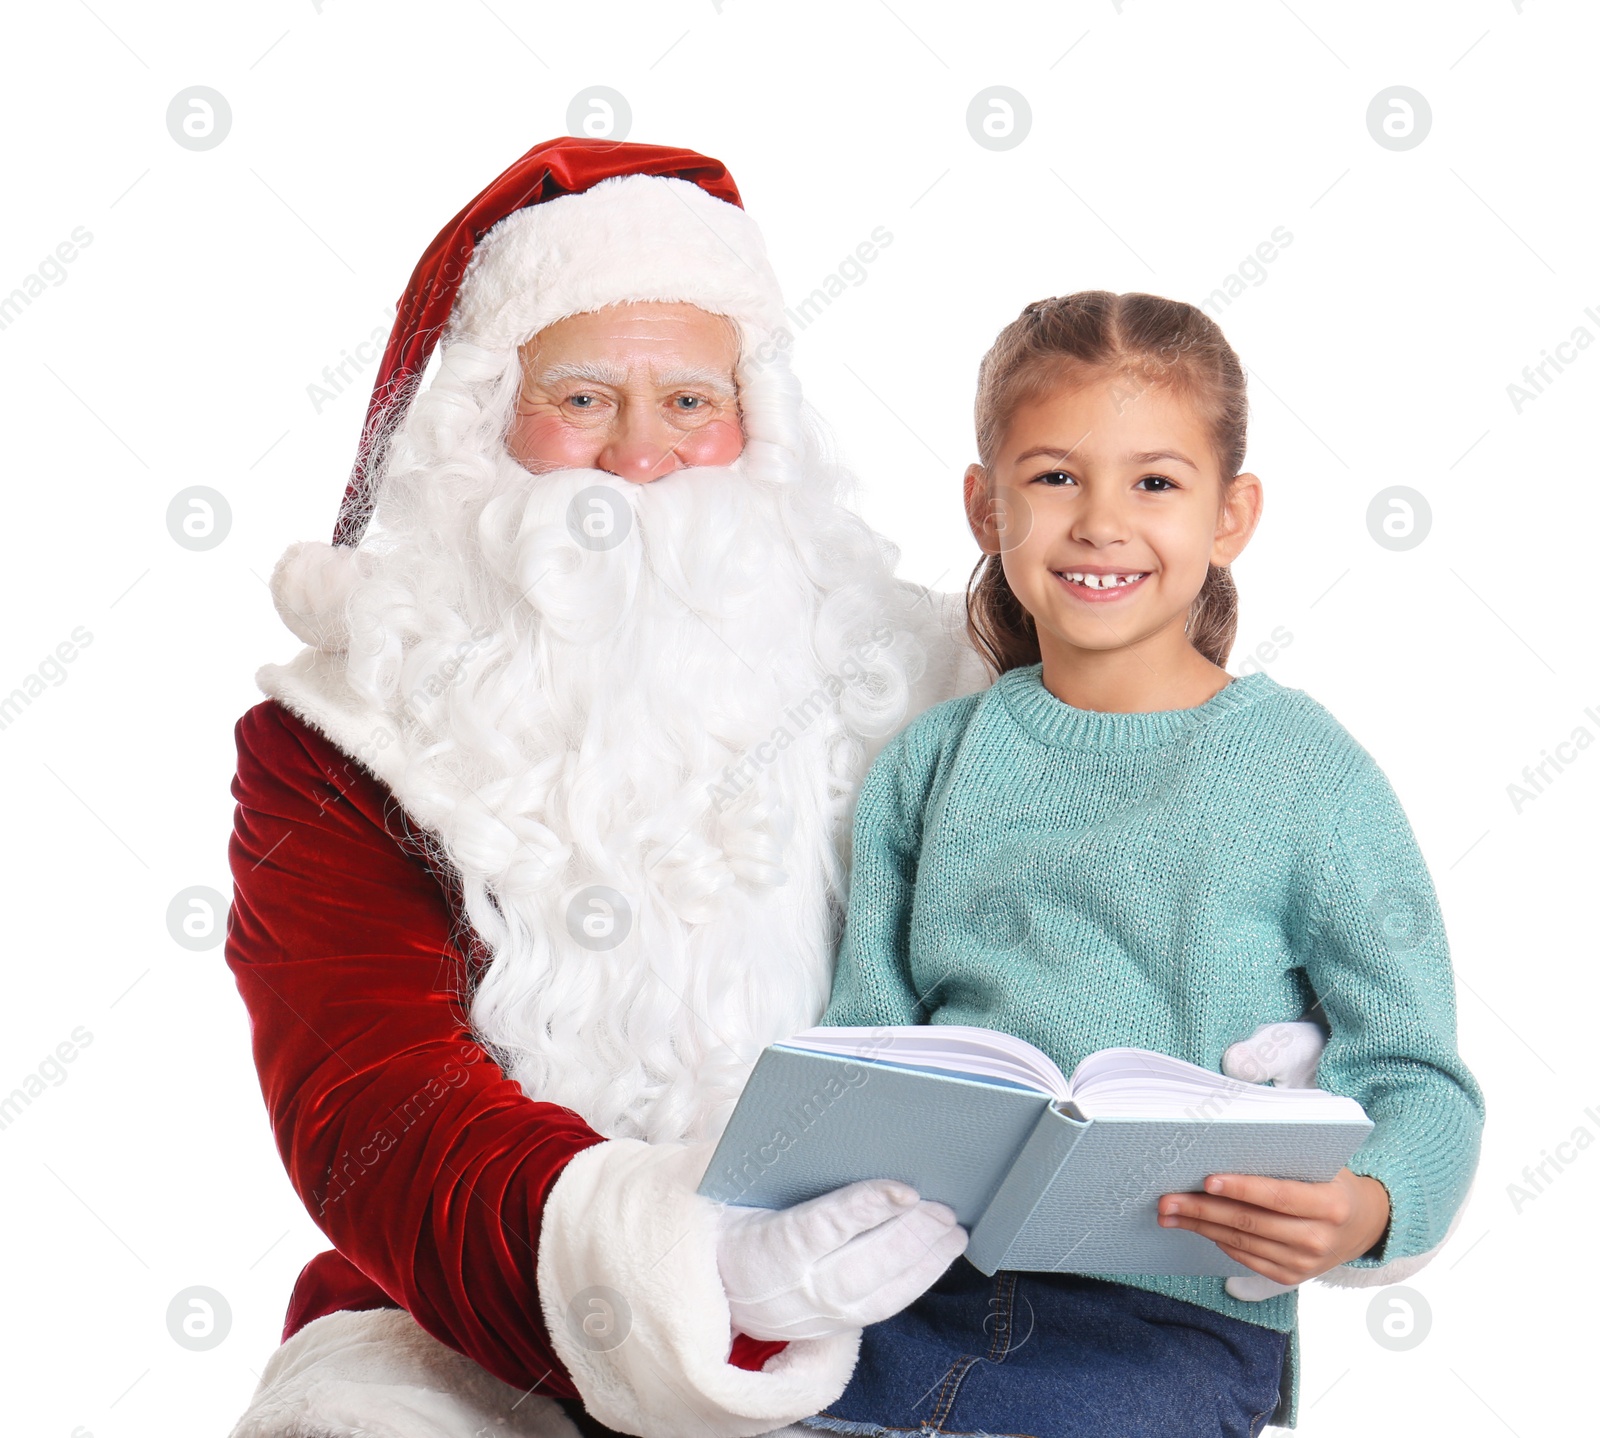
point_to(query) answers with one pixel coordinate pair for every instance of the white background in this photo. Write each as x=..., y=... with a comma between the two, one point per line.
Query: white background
x=1167, y=141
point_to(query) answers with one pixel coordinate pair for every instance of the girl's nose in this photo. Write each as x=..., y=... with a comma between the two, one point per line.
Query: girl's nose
x=1098, y=521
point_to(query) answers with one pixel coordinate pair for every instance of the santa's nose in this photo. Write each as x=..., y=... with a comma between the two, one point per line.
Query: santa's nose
x=639, y=461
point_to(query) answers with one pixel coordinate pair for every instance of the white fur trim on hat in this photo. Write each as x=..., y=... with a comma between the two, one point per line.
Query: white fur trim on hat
x=636, y=239
x=630, y=239
x=634, y=1303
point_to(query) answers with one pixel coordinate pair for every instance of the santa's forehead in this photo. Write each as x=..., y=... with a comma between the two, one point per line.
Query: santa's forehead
x=612, y=370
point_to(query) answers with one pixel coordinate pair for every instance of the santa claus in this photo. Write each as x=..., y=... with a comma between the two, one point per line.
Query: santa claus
x=541, y=838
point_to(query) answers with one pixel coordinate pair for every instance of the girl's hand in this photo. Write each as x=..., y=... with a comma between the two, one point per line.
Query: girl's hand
x=1286, y=1230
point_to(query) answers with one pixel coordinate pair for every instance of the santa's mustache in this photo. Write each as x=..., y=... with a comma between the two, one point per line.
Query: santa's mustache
x=591, y=595
x=686, y=585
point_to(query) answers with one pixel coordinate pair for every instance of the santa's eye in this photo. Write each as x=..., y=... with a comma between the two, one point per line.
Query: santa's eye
x=689, y=403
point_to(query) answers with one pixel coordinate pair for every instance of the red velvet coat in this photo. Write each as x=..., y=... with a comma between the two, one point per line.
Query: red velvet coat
x=420, y=1160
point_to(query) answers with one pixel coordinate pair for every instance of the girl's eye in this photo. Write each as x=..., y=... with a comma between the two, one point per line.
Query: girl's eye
x=1055, y=477
x=1158, y=483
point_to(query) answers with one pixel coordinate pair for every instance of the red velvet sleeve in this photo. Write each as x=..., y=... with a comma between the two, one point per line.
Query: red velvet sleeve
x=426, y=1167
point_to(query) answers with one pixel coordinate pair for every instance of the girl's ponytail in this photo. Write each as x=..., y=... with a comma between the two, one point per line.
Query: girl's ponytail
x=1000, y=628
x=1214, y=616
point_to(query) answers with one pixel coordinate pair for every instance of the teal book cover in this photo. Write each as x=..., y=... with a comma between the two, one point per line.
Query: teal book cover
x=1048, y=1174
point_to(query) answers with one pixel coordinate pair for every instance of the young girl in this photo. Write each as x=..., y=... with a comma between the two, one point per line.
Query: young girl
x=1117, y=844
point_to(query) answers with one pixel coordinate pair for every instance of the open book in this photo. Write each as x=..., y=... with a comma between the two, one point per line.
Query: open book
x=1047, y=1173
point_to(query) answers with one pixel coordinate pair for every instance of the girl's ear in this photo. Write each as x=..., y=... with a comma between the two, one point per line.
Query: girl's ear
x=983, y=517
x=1237, y=519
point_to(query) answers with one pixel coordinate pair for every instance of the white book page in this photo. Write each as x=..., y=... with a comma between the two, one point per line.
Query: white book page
x=956, y=1048
x=1136, y=1083
x=1113, y=1083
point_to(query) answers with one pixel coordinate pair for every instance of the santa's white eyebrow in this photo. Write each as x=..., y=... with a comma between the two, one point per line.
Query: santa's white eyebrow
x=690, y=376
x=589, y=371
x=615, y=376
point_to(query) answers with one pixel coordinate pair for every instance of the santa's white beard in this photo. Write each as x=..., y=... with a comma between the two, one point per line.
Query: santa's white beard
x=637, y=742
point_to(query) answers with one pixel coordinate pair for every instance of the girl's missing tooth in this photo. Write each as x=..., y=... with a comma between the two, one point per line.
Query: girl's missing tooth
x=1117, y=844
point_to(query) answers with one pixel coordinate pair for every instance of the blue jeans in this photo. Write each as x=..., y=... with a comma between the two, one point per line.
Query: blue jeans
x=1049, y=1355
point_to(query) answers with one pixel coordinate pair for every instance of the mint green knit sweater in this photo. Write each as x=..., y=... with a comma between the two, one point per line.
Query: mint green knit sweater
x=1169, y=881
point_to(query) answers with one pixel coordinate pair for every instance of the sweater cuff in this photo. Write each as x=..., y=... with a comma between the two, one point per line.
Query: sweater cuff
x=629, y=1287
x=1411, y=1224
x=1410, y=1230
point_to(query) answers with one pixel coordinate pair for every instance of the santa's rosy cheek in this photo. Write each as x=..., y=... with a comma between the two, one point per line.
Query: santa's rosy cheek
x=719, y=441
x=545, y=437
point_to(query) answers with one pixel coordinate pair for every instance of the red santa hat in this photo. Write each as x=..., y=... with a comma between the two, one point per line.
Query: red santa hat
x=573, y=226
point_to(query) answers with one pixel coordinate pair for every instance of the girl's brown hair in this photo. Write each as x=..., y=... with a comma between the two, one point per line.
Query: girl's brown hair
x=1095, y=334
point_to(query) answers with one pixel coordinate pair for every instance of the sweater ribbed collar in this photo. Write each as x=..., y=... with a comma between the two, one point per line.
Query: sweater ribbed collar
x=1054, y=721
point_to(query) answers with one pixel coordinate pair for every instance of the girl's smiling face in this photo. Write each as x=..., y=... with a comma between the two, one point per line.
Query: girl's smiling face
x=1106, y=503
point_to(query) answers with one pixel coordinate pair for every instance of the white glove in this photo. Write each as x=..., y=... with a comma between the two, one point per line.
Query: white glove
x=1253, y=1287
x=1287, y=1054
x=835, y=1263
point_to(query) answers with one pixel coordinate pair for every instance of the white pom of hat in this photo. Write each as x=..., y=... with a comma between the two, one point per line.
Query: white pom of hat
x=311, y=588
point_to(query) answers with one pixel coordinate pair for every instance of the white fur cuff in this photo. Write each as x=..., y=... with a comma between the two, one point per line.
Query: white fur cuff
x=630, y=1291
x=379, y=1374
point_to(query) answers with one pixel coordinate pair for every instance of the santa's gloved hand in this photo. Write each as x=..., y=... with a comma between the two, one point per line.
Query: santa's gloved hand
x=838, y=1262
x=1253, y=1287
x=1287, y=1054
